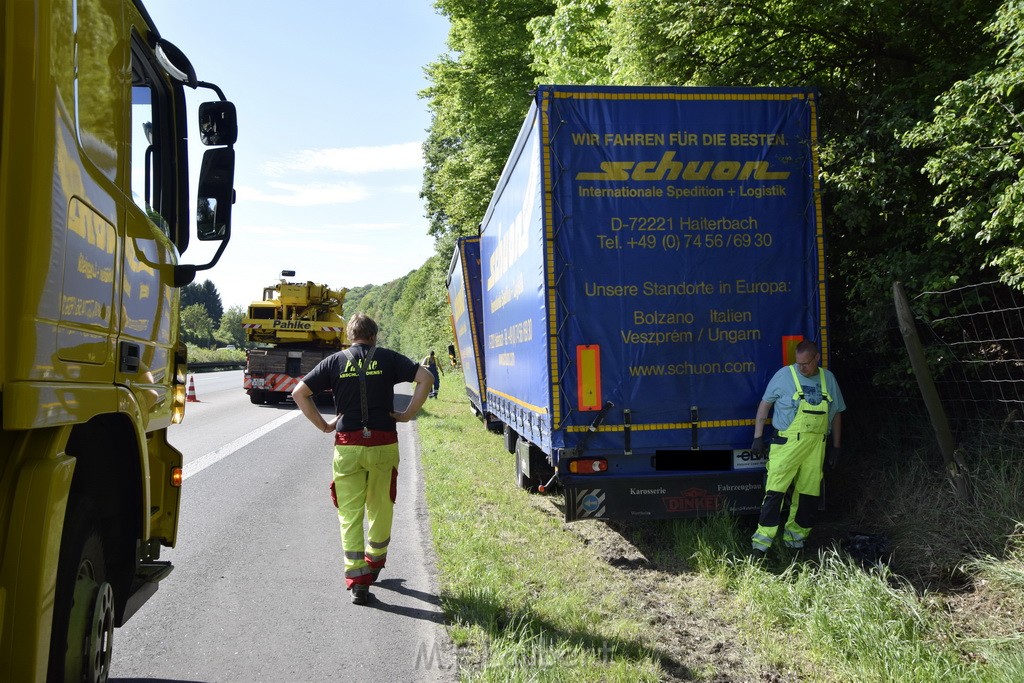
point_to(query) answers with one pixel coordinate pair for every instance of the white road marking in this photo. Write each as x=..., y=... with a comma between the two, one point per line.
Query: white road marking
x=202, y=462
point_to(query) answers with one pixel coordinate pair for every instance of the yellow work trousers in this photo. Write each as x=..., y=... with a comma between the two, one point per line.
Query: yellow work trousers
x=798, y=463
x=365, y=480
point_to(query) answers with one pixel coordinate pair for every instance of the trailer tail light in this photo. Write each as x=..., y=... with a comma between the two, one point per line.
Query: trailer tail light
x=588, y=466
x=176, y=477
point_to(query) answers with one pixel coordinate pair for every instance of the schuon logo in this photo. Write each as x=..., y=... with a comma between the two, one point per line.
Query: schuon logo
x=692, y=500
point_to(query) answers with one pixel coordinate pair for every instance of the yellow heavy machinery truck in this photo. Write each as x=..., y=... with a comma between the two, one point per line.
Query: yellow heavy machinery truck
x=95, y=204
x=295, y=326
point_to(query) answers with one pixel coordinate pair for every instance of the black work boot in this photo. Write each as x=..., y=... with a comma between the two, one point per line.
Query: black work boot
x=360, y=594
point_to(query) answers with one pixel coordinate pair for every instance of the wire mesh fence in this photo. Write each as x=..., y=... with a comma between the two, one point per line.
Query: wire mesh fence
x=973, y=339
x=977, y=339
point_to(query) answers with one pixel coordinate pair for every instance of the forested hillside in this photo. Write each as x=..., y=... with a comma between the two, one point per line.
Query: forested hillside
x=412, y=311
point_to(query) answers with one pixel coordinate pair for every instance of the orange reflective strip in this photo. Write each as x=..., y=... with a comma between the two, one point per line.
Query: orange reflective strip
x=588, y=376
x=789, y=344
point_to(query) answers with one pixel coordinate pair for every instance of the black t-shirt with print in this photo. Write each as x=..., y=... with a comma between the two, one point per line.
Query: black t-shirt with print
x=387, y=368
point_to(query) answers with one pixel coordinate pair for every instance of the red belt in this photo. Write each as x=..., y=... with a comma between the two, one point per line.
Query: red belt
x=377, y=437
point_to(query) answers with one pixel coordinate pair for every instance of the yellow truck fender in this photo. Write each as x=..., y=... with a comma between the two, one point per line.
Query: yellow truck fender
x=37, y=503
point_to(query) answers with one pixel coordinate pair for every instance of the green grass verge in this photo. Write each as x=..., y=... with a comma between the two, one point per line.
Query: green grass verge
x=525, y=600
x=528, y=601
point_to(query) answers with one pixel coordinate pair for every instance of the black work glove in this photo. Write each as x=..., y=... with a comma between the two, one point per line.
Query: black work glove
x=758, y=447
x=832, y=458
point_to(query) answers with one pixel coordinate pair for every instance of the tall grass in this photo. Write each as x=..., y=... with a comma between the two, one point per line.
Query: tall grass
x=528, y=601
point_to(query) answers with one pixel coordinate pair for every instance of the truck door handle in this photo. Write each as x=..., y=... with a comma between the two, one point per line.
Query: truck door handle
x=129, y=354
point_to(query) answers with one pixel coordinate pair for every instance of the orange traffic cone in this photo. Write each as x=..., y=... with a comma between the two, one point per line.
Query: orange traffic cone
x=191, y=395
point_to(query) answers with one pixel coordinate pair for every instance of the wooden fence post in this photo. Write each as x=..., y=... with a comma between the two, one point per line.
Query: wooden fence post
x=954, y=466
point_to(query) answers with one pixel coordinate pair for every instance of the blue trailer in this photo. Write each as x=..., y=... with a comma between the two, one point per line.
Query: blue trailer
x=467, y=323
x=650, y=256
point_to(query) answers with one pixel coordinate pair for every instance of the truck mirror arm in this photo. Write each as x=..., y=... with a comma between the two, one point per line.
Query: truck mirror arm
x=184, y=274
x=214, y=87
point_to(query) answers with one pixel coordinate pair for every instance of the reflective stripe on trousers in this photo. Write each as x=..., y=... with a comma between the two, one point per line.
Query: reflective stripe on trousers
x=365, y=480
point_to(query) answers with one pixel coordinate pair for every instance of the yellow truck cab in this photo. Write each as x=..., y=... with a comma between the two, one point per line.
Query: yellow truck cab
x=96, y=213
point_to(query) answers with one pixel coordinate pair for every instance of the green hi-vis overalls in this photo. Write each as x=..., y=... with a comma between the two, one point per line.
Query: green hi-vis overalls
x=795, y=458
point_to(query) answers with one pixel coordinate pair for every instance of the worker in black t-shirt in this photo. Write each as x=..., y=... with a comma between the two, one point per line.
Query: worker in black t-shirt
x=363, y=379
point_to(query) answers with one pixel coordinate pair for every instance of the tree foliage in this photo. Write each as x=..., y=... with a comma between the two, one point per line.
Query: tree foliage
x=478, y=96
x=207, y=296
x=196, y=325
x=928, y=196
x=976, y=140
x=230, y=331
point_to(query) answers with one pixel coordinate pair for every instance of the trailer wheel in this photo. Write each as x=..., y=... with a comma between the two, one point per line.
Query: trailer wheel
x=257, y=397
x=540, y=469
x=83, y=615
x=510, y=439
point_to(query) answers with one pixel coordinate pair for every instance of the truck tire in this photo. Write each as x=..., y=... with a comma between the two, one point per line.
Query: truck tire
x=540, y=469
x=83, y=614
x=257, y=397
x=510, y=439
x=274, y=398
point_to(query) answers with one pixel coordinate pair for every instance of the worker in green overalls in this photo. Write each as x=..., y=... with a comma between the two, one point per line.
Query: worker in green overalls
x=808, y=407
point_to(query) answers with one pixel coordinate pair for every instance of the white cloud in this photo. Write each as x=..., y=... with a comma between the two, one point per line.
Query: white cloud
x=354, y=160
x=308, y=194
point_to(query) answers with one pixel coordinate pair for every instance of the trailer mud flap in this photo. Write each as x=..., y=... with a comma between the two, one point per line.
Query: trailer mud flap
x=661, y=497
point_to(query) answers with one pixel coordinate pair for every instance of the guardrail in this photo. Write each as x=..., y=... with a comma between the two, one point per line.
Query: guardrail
x=210, y=366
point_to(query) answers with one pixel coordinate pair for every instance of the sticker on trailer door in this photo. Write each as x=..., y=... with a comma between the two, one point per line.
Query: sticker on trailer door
x=590, y=503
x=746, y=460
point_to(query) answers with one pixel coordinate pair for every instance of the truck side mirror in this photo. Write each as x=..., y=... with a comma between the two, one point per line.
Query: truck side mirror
x=218, y=123
x=216, y=195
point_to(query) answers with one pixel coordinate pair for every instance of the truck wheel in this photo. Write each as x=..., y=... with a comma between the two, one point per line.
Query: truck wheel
x=83, y=614
x=540, y=470
x=510, y=439
x=257, y=397
x=274, y=398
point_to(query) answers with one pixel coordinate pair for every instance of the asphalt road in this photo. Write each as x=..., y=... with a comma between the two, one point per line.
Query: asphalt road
x=258, y=593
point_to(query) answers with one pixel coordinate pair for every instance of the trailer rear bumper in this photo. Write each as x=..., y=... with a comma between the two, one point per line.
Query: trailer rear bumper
x=662, y=496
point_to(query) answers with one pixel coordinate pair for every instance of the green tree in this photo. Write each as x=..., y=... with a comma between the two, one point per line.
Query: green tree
x=573, y=45
x=206, y=295
x=478, y=96
x=976, y=141
x=197, y=326
x=212, y=301
x=230, y=330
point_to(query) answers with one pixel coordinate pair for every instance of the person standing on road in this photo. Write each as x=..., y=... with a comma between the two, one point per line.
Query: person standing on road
x=430, y=363
x=808, y=406
x=362, y=379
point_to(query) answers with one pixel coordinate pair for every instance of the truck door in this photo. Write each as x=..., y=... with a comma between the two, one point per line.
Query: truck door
x=152, y=222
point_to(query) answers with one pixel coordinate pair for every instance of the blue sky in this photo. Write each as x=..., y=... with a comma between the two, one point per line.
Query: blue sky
x=329, y=163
